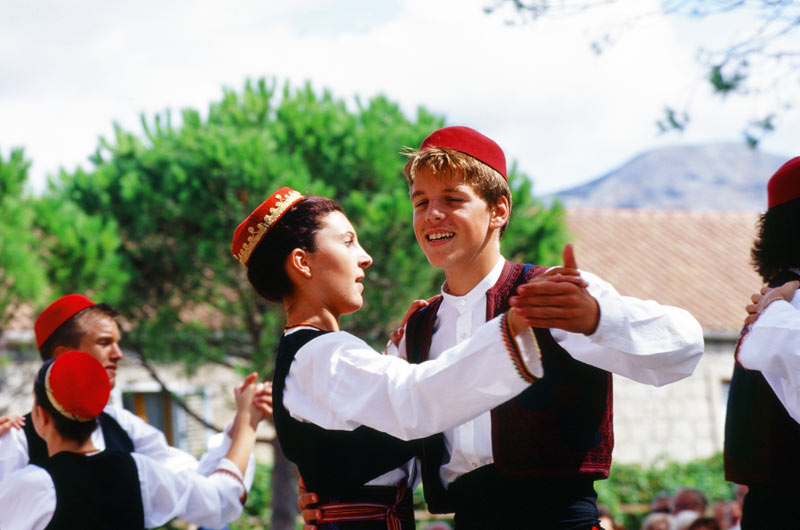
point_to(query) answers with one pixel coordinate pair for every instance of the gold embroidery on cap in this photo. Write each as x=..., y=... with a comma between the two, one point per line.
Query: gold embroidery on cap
x=53, y=401
x=259, y=231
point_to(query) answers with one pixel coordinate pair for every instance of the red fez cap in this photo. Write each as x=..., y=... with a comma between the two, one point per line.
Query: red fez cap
x=252, y=230
x=471, y=142
x=57, y=313
x=784, y=185
x=77, y=386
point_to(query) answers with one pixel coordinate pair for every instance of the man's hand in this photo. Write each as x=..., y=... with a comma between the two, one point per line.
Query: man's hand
x=761, y=300
x=263, y=398
x=305, y=502
x=558, y=299
x=11, y=421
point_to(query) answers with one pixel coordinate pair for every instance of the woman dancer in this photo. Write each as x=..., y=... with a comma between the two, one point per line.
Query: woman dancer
x=344, y=413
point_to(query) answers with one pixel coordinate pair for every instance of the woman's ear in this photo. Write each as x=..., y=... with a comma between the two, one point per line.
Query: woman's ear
x=298, y=263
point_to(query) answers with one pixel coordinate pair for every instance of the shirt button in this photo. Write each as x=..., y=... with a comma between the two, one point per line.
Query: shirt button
x=462, y=303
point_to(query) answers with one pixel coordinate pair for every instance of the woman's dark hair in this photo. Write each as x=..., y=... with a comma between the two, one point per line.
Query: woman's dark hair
x=266, y=269
x=777, y=245
x=79, y=431
x=71, y=332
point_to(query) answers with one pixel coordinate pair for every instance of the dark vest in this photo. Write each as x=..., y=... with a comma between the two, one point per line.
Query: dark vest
x=115, y=437
x=761, y=439
x=95, y=492
x=334, y=464
x=559, y=427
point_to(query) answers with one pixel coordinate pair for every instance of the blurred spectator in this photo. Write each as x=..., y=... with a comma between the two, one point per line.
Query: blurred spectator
x=689, y=499
x=606, y=519
x=657, y=521
x=728, y=514
x=704, y=523
x=685, y=518
x=661, y=503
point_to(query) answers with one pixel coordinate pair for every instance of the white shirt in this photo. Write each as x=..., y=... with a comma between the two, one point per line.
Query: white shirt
x=147, y=440
x=28, y=497
x=638, y=339
x=772, y=346
x=337, y=381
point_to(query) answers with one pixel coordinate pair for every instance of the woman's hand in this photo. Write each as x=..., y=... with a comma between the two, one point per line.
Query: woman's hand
x=245, y=405
x=397, y=334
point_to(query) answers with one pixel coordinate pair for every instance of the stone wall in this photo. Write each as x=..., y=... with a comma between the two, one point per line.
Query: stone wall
x=677, y=422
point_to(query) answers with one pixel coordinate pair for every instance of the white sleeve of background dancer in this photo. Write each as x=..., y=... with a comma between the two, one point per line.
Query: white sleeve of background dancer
x=772, y=346
x=338, y=381
x=148, y=440
x=27, y=499
x=13, y=452
x=638, y=339
x=206, y=501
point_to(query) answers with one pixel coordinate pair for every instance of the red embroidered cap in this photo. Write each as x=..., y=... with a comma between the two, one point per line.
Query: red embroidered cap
x=471, y=142
x=252, y=230
x=784, y=185
x=77, y=386
x=57, y=313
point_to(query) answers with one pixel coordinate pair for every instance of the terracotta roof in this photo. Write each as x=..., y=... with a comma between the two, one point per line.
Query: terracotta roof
x=696, y=260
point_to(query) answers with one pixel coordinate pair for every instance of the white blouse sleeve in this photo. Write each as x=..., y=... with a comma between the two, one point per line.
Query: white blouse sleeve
x=206, y=501
x=13, y=452
x=338, y=381
x=27, y=499
x=639, y=339
x=148, y=440
x=772, y=346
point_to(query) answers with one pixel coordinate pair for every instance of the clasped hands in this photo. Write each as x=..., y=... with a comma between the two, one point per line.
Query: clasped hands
x=766, y=296
x=558, y=298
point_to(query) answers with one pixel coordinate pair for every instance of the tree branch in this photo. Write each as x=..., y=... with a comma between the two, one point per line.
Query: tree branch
x=182, y=403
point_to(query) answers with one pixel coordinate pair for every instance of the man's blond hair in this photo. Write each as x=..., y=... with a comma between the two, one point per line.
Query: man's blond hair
x=487, y=182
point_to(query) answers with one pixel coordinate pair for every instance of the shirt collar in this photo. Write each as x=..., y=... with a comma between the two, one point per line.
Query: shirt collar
x=465, y=302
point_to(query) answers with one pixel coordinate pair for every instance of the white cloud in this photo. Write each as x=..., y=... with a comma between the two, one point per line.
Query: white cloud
x=563, y=113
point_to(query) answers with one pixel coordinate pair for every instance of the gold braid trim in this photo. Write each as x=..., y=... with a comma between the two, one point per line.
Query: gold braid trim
x=273, y=214
x=56, y=405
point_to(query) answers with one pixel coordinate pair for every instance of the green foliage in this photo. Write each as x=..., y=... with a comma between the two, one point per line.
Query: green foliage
x=723, y=82
x=631, y=485
x=22, y=276
x=536, y=233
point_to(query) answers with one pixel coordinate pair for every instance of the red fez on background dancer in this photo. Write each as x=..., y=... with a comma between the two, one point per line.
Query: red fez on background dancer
x=57, y=313
x=252, y=230
x=77, y=386
x=471, y=142
x=784, y=185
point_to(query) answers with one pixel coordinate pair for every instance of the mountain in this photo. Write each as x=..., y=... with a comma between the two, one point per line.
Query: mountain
x=721, y=176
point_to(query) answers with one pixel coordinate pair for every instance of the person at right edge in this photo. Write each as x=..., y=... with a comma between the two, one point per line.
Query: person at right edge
x=762, y=433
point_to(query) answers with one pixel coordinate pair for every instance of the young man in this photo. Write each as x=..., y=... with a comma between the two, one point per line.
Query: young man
x=533, y=460
x=762, y=431
x=78, y=486
x=544, y=449
x=76, y=322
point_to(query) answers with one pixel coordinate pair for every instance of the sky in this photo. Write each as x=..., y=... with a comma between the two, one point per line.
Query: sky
x=562, y=113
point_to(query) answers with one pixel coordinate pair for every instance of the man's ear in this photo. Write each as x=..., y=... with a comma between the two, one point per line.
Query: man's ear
x=500, y=213
x=298, y=263
x=58, y=350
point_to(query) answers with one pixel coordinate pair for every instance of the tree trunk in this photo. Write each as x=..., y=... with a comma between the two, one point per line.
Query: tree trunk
x=284, y=491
